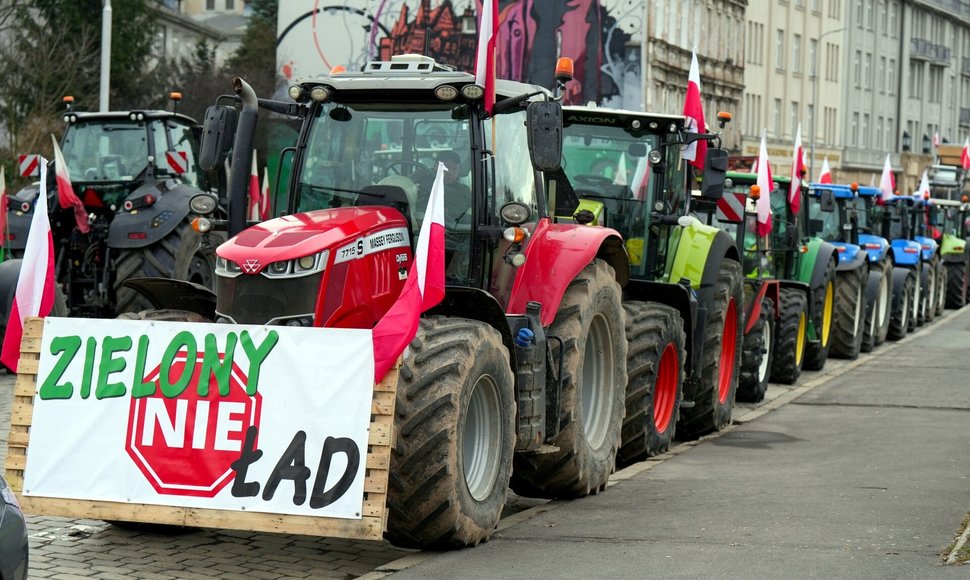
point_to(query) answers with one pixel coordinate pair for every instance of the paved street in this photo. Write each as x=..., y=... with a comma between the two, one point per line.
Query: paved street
x=859, y=471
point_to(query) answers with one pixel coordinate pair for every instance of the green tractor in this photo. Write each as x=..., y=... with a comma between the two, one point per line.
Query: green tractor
x=684, y=298
x=952, y=219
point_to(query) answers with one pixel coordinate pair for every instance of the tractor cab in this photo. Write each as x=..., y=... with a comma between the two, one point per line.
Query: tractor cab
x=833, y=217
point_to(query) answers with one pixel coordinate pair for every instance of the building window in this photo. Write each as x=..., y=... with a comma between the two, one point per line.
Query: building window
x=813, y=55
x=881, y=80
x=879, y=134
x=857, y=68
x=890, y=135
x=891, y=76
x=210, y=4
x=855, y=129
x=859, y=12
x=916, y=79
x=230, y=4
x=884, y=13
x=867, y=70
x=865, y=130
x=811, y=119
x=780, y=50
x=793, y=123
x=892, y=18
x=870, y=22
x=776, y=117
x=796, y=53
x=936, y=84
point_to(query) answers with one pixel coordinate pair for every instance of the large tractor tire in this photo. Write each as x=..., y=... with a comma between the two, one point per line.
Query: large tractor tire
x=757, y=352
x=941, y=274
x=885, y=311
x=718, y=382
x=178, y=255
x=455, y=434
x=850, y=313
x=916, y=301
x=900, y=318
x=655, y=364
x=956, y=283
x=927, y=307
x=590, y=324
x=791, y=336
x=877, y=318
x=822, y=309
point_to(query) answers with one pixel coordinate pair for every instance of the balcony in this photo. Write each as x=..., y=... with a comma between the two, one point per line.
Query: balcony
x=923, y=49
x=959, y=8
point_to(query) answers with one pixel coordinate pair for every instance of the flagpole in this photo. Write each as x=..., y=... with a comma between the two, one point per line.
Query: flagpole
x=105, y=55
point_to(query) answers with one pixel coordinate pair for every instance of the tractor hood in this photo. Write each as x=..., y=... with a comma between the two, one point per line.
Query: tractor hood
x=349, y=233
x=875, y=246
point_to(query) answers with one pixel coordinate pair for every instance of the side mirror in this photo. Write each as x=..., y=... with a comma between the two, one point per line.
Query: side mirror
x=218, y=133
x=827, y=201
x=715, y=172
x=544, y=123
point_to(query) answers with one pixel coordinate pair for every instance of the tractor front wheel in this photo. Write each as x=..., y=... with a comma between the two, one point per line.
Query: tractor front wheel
x=590, y=324
x=655, y=363
x=900, y=317
x=715, y=389
x=757, y=352
x=791, y=337
x=821, y=308
x=927, y=309
x=940, y=289
x=956, y=283
x=455, y=432
x=850, y=310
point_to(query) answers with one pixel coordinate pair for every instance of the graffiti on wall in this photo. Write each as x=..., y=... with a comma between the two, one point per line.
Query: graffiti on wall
x=603, y=37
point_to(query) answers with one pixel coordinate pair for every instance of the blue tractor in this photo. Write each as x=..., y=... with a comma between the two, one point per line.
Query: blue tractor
x=830, y=218
x=933, y=274
x=879, y=286
x=895, y=217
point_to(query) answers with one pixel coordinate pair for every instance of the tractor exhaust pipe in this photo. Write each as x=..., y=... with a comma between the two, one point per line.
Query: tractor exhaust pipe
x=242, y=156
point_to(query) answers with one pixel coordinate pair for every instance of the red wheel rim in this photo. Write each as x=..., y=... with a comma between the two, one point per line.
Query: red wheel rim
x=665, y=390
x=728, y=345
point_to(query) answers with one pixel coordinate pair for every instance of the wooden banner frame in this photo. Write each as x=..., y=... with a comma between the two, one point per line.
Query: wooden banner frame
x=371, y=526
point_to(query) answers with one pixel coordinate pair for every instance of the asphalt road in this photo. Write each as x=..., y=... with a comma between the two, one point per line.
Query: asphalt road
x=859, y=471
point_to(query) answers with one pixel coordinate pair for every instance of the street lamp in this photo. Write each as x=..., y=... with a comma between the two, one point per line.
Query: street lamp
x=811, y=154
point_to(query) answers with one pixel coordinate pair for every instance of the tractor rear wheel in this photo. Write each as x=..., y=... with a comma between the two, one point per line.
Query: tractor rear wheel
x=885, y=309
x=655, y=364
x=178, y=255
x=899, y=320
x=717, y=385
x=927, y=309
x=590, y=324
x=791, y=337
x=455, y=426
x=915, y=301
x=956, y=283
x=821, y=308
x=850, y=311
x=757, y=352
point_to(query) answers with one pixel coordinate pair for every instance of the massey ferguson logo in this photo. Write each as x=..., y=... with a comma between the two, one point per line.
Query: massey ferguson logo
x=250, y=266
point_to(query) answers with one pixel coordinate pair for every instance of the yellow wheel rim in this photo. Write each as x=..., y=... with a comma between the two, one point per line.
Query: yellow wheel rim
x=827, y=313
x=800, y=340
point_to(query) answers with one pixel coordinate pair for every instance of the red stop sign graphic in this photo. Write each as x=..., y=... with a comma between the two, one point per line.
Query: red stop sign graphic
x=186, y=445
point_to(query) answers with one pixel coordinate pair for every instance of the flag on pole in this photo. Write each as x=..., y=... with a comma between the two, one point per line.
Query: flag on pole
x=264, y=209
x=253, y=213
x=3, y=213
x=924, y=186
x=797, y=171
x=764, y=183
x=965, y=155
x=485, y=57
x=65, y=191
x=826, y=175
x=696, y=152
x=424, y=288
x=35, y=286
x=936, y=139
x=620, y=177
x=887, y=182
x=641, y=178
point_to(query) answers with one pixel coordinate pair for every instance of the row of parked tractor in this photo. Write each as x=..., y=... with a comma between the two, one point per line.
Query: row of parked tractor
x=601, y=300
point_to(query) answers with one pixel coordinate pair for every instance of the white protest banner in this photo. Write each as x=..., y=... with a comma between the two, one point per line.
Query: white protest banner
x=278, y=425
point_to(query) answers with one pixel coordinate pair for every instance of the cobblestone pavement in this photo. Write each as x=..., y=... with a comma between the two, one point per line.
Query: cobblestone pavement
x=65, y=548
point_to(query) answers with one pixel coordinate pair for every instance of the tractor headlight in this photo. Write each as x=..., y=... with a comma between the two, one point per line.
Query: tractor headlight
x=298, y=267
x=279, y=268
x=202, y=204
x=227, y=268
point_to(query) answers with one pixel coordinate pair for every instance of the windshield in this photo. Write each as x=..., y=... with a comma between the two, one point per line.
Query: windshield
x=894, y=226
x=824, y=224
x=860, y=208
x=105, y=151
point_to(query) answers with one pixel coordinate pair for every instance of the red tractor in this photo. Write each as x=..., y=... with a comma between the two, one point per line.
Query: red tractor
x=517, y=378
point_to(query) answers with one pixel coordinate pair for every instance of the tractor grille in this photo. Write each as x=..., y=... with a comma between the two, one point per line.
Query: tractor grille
x=258, y=300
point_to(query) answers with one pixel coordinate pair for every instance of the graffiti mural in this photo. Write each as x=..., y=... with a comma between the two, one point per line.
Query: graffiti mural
x=603, y=37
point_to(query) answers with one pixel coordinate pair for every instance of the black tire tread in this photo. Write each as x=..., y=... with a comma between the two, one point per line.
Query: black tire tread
x=785, y=367
x=751, y=389
x=848, y=319
x=899, y=317
x=817, y=353
x=956, y=284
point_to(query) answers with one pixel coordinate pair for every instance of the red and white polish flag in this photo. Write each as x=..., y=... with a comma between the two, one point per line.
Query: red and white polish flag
x=35, y=286
x=485, y=56
x=826, y=175
x=264, y=208
x=764, y=184
x=424, y=288
x=3, y=206
x=924, y=186
x=965, y=155
x=254, y=214
x=66, y=197
x=797, y=171
x=887, y=183
x=696, y=152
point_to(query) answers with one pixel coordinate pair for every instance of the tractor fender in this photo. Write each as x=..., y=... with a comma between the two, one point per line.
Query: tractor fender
x=899, y=280
x=9, y=273
x=555, y=255
x=476, y=304
x=928, y=247
x=802, y=286
x=824, y=255
x=762, y=288
x=872, y=285
x=678, y=296
x=167, y=293
x=955, y=257
x=697, y=257
x=876, y=247
x=851, y=257
x=905, y=252
x=154, y=222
